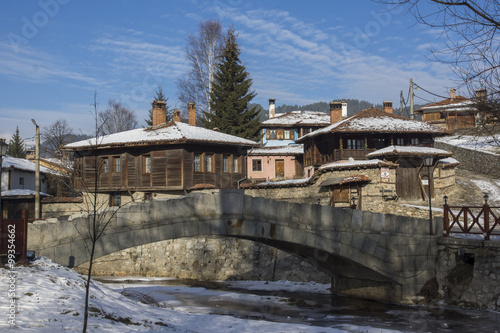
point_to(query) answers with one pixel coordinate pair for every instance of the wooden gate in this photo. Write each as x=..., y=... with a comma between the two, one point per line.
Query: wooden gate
x=14, y=236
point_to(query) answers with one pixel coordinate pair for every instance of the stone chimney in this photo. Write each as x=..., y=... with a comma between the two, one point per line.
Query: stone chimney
x=192, y=114
x=271, y=108
x=387, y=106
x=453, y=94
x=159, y=112
x=481, y=96
x=177, y=116
x=344, y=110
x=336, y=112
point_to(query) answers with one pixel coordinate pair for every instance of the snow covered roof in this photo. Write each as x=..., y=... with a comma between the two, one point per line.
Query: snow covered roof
x=356, y=164
x=448, y=162
x=409, y=151
x=278, y=150
x=9, y=162
x=376, y=121
x=21, y=193
x=298, y=118
x=173, y=132
x=485, y=144
x=457, y=104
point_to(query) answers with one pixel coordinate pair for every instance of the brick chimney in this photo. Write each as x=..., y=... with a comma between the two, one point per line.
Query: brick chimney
x=271, y=108
x=336, y=112
x=159, y=112
x=192, y=114
x=177, y=116
x=387, y=106
x=453, y=94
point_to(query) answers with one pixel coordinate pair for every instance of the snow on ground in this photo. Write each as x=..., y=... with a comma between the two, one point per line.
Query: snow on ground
x=492, y=188
x=487, y=144
x=50, y=298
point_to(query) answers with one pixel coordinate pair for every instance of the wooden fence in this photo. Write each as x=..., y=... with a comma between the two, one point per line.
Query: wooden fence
x=482, y=220
x=15, y=230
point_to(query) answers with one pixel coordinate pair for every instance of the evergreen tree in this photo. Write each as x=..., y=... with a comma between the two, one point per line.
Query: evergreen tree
x=16, y=146
x=231, y=95
x=159, y=97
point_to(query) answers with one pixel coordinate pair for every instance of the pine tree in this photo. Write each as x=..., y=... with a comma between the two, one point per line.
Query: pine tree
x=159, y=97
x=16, y=146
x=231, y=95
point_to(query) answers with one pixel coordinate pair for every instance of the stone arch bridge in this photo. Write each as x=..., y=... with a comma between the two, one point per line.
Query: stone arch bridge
x=369, y=255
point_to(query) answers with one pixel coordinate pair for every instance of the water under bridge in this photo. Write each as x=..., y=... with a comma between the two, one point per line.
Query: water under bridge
x=370, y=255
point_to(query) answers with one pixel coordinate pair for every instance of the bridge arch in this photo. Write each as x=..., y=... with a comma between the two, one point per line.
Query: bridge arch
x=369, y=254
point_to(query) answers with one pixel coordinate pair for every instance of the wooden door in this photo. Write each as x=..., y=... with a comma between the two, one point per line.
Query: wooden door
x=279, y=168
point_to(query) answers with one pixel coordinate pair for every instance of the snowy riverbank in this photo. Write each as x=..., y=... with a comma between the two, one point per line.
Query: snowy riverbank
x=50, y=298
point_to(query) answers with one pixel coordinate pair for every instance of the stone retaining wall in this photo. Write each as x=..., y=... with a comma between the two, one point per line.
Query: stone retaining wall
x=473, y=160
x=208, y=258
x=468, y=273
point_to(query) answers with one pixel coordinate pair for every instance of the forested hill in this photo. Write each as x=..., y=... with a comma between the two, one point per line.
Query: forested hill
x=353, y=107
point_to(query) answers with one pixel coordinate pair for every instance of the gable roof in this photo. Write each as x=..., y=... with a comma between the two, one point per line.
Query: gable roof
x=170, y=133
x=409, y=151
x=376, y=121
x=457, y=104
x=278, y=150
x=9, y=162
x=298, y=118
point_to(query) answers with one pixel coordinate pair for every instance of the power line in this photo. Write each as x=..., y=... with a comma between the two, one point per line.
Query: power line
x=424, y=99
x=427, y=91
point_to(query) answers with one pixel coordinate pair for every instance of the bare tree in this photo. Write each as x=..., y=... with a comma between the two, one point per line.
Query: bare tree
x=55, y=136
x=99, y=216
x=117, y=118
x=202, y=53
x=471, y=32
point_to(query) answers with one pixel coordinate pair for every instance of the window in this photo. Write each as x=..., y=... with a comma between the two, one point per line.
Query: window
x=236, y=164
x=209, y=158
x=21, y=181
x=146, y=164
x=105, y=165
x=400, y=142
x=148, y=196
x=355, y=144
x=257, y=165
x=287, y=135
x=116, y=164
x=280, y=134
x=116, y=199
x=273, y=135
x=414, y=142
x=225, y=163
x=197, y=162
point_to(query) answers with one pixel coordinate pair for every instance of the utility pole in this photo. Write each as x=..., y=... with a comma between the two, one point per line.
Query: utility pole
x=412, y=115
x=37, y=170
x=401, y=100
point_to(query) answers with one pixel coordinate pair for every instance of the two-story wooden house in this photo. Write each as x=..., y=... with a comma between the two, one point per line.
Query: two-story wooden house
x=453, y=112
x=363, y=133
x=167, y=158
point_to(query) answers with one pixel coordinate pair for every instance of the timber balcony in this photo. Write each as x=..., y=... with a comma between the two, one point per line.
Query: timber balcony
x=483, y=220
x=338, y=155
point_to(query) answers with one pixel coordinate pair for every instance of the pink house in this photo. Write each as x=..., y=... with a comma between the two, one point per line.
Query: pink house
x=275, y=163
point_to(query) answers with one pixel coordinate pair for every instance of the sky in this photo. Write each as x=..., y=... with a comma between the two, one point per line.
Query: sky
x=56, y=54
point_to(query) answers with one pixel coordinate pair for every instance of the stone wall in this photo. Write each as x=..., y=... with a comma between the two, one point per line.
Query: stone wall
x=207, y=258
x=473, y=160
x=468, y=273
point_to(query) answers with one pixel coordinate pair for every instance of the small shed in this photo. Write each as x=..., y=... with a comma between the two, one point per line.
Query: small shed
x=412, y=178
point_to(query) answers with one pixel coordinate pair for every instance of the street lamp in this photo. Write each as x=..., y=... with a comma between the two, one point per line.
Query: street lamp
x=3, y=152
x=428, y=162
x=37, y=170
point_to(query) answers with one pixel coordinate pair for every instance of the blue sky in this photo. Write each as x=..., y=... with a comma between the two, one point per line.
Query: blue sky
x=55, y=53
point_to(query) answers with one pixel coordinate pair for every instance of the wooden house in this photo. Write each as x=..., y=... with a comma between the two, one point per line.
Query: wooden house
x=363, y=133
x=453, y=112
x=167, y=158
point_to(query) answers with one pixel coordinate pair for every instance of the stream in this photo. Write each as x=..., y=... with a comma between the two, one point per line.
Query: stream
x=300, y=303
